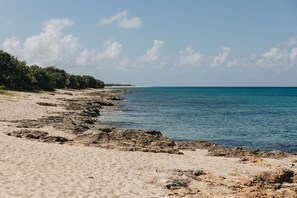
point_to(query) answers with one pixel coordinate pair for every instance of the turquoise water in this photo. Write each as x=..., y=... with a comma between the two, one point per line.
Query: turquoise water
x=257, y=118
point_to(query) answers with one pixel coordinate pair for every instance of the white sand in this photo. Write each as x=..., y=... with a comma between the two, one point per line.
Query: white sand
x=35, y=169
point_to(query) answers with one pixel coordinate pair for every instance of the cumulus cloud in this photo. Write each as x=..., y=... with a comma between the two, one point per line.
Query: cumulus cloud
x=188, y=57
x=275, y=54
x=152, y=53
x=111, y=50
x=290, y=42
x=122, y=21
x=221, y=57
x=55, y=26
x=48, y=47
x=53, y=47
x=278, y=57
x=293, y=55
x=12, y=45
x=233, y=63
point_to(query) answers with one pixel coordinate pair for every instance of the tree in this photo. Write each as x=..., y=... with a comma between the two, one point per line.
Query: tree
x=58, y=77
x=99, y=84
x=14, y=73
x=40, y=79
x=90, y=81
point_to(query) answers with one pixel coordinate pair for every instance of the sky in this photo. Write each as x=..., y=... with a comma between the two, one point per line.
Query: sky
x=158, y=43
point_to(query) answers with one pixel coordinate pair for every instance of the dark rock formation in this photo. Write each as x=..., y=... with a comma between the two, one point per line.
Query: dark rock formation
x=46, y=104
x=29, y=134
x=174, y=184
x=42, y=136
x=55, y=139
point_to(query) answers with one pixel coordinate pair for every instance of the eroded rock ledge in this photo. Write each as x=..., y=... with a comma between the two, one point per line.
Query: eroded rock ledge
x=80, y=119
x=218, y=150
x=274, y=183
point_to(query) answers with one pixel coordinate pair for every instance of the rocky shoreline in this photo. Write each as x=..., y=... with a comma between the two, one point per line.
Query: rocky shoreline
x=75, y=117
x=80, y=118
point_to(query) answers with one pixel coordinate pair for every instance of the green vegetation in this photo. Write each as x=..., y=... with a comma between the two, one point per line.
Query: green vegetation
x=16, y=75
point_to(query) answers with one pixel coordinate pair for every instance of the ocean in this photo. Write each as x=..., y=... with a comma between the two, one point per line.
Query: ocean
x=255, y=118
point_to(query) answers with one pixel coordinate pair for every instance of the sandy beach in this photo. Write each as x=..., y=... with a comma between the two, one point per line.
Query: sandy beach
x=59, y=162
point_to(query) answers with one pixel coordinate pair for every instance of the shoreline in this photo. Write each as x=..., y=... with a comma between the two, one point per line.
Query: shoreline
x=68, y=120
x=213, y=148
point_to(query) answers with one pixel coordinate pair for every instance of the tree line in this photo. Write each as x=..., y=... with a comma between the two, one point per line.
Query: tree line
x=17, y=75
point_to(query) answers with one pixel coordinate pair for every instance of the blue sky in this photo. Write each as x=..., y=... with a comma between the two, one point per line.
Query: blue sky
x=184, y=43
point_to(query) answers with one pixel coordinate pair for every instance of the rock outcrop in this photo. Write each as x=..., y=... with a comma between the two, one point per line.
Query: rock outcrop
x=128, y=140
x=218, y=150
x=277, y=183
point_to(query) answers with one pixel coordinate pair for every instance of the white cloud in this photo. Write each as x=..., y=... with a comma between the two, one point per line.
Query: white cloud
x=293, y=55
x=84, y=57
x=111, y=50
x=281, y=55
x=274, y=54
x=189, y=57
x=122, y=20
x=153, y=53
x=291, y=42
x=55, y=26
x=273, y=57
x=233, y=63
x=11, y=44
x=53, y=47
x=48, y=47
x=221, y=57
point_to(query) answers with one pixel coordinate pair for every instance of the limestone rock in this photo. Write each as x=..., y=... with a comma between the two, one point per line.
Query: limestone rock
x=38, y=135
x=29, y=134
x=129, y=140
